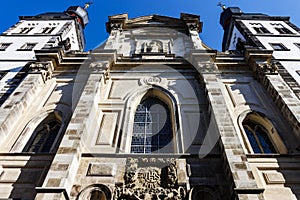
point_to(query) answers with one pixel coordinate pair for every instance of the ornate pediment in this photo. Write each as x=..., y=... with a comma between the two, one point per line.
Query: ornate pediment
x=181, y=24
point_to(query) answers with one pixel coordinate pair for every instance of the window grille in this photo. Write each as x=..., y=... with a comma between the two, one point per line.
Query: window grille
x=27, y=47
x=258, y=137
x=44, y=136
x=152, y=128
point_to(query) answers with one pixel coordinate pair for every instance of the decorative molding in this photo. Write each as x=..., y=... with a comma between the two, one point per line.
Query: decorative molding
x=273, y=178
x=102, y=67
x=99, y=65
x=193, y=26
x=154, y=80
x=150, y=178
x=45, y=68
x=115, y=26
x=267, y=68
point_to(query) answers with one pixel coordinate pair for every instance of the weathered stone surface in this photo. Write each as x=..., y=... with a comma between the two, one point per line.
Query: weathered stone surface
x=103, y=169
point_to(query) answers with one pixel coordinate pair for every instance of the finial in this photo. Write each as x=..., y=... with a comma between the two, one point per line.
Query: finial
x=87, y=4
x=221, y=5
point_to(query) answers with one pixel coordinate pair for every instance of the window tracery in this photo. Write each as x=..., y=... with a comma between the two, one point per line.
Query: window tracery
x=260, y=134
x=152, y=129
x=44, y=135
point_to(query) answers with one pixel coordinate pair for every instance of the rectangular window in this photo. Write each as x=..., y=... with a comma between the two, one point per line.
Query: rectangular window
x=47, y=30
x=27, y=47
x=281, y=29
x=259, y=28
x=3, y=46
x=278, y=47
x=25, y=30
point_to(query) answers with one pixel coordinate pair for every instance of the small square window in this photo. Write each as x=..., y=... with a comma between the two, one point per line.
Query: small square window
x=27, y=47
x=278, y=47
x=3, y=46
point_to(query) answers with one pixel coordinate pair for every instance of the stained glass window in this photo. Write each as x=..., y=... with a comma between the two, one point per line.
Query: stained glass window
x=258, y=137
x=152, y=128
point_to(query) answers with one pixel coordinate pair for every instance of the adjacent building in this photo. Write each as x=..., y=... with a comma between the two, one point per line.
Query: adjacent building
x=153, y=113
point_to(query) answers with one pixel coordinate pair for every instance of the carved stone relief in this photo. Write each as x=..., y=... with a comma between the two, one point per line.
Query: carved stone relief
x=153, y=46
x=154, y=80
x=101, y=66
x=45, y=68
x=193, y=26
x=115, y=26
x=267, y=68
x=150, y=179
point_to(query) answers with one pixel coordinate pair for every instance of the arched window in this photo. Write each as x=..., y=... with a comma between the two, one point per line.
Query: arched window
x=152, y=128
x=45, y=134
x=260, y=133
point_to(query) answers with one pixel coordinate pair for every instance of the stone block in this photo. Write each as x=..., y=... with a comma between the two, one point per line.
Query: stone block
x=273, y=177
x=101, y=169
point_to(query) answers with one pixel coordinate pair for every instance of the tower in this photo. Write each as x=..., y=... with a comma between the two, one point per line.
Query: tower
x=28, y=52
x=270, y=45
x=33, y=33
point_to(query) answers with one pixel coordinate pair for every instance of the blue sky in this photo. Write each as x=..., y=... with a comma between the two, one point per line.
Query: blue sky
x=95, y=31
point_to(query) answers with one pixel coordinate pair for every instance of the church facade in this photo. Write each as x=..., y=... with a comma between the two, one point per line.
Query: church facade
x=152, y=113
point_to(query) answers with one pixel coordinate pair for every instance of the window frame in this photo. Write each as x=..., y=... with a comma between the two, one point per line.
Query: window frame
x=47, y=30
x=145, y=134
x=272, y=133
x=24, y=30
x=282, y=47
x=257, y=140
x=259, y=28
x=4, y=46
x=169, y=101
x=55, y=116
x=297, y=44
x=25, y=46
x=281, y=29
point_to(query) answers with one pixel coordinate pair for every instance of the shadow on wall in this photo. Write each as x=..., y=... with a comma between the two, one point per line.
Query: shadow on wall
x=33, y=163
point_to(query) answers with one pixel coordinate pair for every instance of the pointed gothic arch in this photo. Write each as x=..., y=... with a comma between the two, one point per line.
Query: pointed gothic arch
x=260, y=134
x=46, y=134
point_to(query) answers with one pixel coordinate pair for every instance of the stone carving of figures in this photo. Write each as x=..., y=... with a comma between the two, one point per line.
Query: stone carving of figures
x=154, y=46
x=172, y=175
